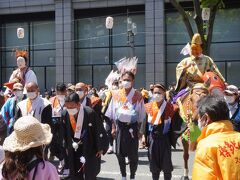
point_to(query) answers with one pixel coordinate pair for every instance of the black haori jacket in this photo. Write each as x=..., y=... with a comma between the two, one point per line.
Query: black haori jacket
x=93, y=139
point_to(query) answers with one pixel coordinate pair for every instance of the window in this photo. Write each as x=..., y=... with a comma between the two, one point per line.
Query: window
x=97, y=48
x=39, y=41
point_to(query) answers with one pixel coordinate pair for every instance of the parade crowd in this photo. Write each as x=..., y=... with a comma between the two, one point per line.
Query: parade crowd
x=77, y=124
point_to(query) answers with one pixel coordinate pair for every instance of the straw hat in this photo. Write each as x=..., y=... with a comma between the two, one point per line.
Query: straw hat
x=28, y=133
x=71, y=87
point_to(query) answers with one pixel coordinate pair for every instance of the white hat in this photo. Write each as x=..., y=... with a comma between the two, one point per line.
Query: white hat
x=127, y=64
x=28, y=133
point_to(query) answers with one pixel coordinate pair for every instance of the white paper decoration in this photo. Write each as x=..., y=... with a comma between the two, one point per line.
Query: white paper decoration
x=20, y=33
x=109, y=22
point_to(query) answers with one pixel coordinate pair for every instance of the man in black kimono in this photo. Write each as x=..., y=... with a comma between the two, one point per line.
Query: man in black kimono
x=85, y=138
x=94, y=102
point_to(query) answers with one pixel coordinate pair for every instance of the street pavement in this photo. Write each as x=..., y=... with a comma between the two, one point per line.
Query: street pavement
x=110, y=168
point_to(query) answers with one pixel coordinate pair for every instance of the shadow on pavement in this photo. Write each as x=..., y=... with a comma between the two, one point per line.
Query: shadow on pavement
x=100, y=178
x=142, y=153
x=177, y=167
x=177, y=150
x=141, y=162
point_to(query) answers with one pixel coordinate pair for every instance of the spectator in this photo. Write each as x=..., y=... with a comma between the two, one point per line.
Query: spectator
x=24, y=151
x=232, y=99
x=218, y=150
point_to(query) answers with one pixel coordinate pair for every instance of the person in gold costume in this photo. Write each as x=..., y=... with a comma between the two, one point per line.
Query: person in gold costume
x=192, y=68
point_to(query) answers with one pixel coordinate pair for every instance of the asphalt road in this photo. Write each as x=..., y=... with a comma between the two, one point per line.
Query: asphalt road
x=110, y=167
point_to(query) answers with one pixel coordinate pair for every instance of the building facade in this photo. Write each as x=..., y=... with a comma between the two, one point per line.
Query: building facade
x=67, y=40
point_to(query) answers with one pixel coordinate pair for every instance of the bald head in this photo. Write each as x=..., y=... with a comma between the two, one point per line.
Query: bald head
x=32, y=90
x=81, y=87
x=32, y=87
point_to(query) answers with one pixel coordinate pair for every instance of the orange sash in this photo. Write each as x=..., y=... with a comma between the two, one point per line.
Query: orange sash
x=155, y=110
x=29, y=105
x=122, y=96
x=55, y=102
x=73, y=122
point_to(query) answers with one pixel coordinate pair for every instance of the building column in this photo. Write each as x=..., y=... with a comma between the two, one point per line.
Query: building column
x=155, y=42
x=64, y=19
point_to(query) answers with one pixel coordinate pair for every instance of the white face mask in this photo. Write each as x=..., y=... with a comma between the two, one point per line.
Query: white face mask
x=21, y=62
x=80, y=94
x=61, y=99
x=158, y=97
x=126, y=84
x=18, y=94
x=229, y=99
x=32, y=95
x=72, y=111
x=201, y=123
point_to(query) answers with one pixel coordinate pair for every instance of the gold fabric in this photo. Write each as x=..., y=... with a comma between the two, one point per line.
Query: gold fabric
x=194, y=73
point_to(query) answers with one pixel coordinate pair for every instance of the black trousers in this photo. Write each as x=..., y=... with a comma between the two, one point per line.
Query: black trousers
x=160, y=156
x=109, y=131
x=127, y=146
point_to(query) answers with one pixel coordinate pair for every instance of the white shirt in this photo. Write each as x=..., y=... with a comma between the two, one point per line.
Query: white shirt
x=114, y=106
x=232, y=109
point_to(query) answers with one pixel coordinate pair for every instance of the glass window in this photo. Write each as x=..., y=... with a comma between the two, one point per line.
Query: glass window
x=40, y=72
x=6, y=73
x=176, y=30
x=121, y=52
x=140, y=78
x=221, y=68
x=171, y=73
x=173, y=53
x=93, y=48
x=11, y=39
x=93, y=56
x=225, y=51
x=233, y=73
x=227, y=25
x=84, y=74
x=91, y=32
x=51, y=77
x=100, y=73
x=120, y=30
x=43, y=58
x=9, y=59
x=43, y=35
x=139, y=38
x=40, y=37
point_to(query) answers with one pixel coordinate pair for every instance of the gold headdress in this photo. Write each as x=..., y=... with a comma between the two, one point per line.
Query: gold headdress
x=21, y=53
x=196, y=39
